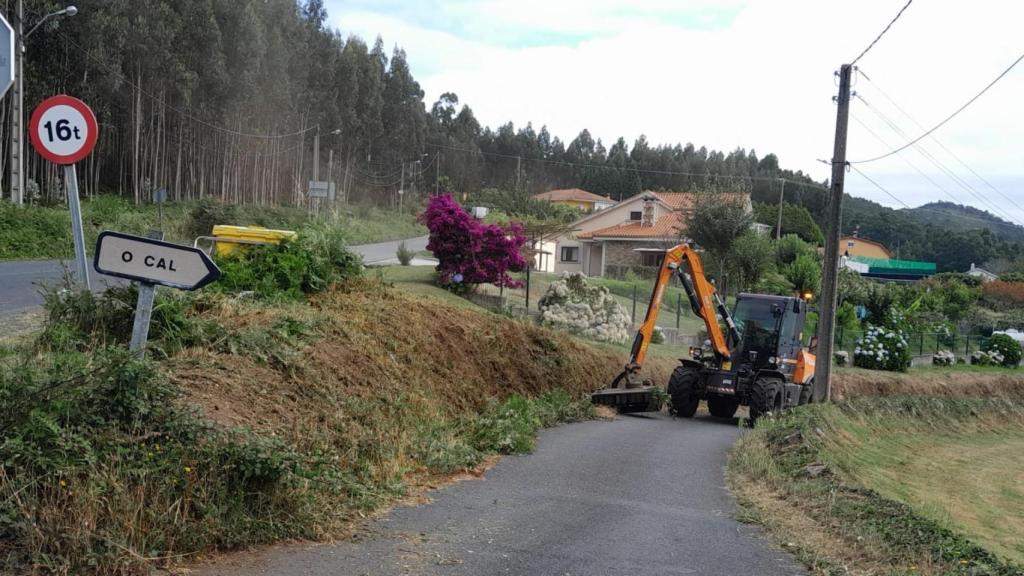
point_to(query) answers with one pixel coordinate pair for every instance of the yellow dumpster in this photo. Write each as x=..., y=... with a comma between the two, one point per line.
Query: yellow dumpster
x=227, y=239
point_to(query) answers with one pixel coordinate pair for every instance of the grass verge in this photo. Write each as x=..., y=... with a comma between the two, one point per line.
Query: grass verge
x=263, y=419
x=897, y=485
x=44, y=232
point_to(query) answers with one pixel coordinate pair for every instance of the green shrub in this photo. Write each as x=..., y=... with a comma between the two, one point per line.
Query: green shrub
x=90, y=440
x=207, y=213
x=404, y=254
x=1008, y=349
x=308, y=264
x=82, y=320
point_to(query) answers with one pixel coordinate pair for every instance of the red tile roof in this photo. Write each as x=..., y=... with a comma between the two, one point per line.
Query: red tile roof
x=668, y=226
x=574, y=194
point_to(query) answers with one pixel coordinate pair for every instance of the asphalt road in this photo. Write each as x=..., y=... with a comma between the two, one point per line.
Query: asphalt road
x=640, y=495
x=20, y=280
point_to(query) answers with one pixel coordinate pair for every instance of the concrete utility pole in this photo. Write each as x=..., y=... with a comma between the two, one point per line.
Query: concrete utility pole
x=401, y=187
x=519, y=165
x=782, y=194
x=437, y=180
x=18, y=103
x=830, y=273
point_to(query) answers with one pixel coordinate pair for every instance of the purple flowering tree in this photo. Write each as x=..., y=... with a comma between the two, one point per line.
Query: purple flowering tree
x=470, y=252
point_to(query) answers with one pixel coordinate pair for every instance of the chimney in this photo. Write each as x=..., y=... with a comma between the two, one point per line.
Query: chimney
x=647, y=218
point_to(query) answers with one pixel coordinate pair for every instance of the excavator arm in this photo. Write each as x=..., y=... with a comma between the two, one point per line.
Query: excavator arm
x=684, y=262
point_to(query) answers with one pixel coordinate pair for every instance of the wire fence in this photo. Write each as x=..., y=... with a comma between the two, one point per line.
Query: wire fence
x=921, y=343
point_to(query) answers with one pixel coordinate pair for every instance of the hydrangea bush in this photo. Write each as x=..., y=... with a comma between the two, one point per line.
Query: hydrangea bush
x=882, y=349
x=944, y=358
x=982, y=358
x=1008, y=349
x=571, y=304
x=470, y=252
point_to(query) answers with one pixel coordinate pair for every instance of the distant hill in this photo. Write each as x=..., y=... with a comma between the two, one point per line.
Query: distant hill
x=957, y=218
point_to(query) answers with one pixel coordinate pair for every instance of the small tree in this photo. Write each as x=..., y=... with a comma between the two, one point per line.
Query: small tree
x=752, y=257
x=804, y=273
x=470, y=252
x=789, y=248
x=718, y=220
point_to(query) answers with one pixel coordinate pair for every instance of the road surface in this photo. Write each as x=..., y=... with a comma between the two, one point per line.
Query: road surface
x=20, y=280
x=640, y=495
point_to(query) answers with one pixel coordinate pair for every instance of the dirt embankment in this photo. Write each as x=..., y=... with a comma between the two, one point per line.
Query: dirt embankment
x=374, y=344
x=952, y=383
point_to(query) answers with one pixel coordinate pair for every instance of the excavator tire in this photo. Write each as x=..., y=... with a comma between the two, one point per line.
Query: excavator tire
x=722, y=407
x=806, y=394
x=765, y=396
x=682, y=389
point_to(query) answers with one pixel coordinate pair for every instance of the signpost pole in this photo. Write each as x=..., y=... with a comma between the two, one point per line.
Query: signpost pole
x=71, y=183
x=144, y=310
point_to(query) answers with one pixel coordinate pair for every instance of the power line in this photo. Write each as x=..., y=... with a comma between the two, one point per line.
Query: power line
x=164, y=104
x=882, y=33
x=942, y=167
x=947, y=119
x=628, y=169
x=939, y=143
x=919, y=208
x=880, y=187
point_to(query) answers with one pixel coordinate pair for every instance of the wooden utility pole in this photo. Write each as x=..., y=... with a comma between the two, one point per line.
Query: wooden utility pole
x=519, y=165
x=782, y=194
x=830, y=273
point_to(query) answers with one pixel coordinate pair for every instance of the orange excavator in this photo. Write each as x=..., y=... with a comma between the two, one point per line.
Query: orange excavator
x=752, y=357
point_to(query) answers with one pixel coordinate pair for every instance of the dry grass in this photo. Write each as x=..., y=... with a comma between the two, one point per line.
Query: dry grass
x=911, y=485
x=947, y=383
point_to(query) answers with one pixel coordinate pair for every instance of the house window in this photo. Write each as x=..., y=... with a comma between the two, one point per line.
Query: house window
x=849, y=243
x=636, y=216
x=570, y=253
x=651, y=259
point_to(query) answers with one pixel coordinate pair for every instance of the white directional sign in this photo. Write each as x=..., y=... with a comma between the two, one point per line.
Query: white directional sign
x=6, y=56
x=153, y=261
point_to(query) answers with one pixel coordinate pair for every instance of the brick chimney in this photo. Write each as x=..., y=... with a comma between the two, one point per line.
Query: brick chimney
x=647, y=217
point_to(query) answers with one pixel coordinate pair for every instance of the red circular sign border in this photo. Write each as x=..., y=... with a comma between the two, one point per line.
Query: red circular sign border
x=90, y=124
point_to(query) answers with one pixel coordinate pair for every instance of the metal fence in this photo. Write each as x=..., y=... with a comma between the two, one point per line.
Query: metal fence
x=921, y=343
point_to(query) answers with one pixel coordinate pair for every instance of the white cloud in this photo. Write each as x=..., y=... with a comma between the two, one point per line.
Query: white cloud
x=762, y=81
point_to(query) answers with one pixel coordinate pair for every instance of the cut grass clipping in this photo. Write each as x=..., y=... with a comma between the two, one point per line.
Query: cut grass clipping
x=898, y=485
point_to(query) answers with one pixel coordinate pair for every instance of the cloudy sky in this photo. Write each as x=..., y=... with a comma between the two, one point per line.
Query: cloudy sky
x=729, y=73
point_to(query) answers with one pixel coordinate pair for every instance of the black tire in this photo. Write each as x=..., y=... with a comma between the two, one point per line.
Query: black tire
x=682, y=389
x=765, y=396
x=722, y=407
x=806, y=394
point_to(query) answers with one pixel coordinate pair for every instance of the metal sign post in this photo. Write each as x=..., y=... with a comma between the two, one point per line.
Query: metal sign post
x=143, y=310
x=63, y=130
x=71, y=183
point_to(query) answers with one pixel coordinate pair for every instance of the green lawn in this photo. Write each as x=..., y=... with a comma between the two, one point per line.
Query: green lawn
x=967, y=477
x=43, y=232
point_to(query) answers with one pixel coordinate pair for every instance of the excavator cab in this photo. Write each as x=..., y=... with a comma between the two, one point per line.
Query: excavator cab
x=755, y=356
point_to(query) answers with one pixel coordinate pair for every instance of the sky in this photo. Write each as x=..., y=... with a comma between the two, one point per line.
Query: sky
x=757, y=74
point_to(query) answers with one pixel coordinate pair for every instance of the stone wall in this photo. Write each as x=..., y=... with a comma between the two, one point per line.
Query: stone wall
x=621, y=257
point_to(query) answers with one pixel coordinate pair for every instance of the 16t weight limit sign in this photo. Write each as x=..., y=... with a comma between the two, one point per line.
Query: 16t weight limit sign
x=63, y=129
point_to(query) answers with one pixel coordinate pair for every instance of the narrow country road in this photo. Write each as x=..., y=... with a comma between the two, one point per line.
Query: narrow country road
x=20, y=279
x=641, y=495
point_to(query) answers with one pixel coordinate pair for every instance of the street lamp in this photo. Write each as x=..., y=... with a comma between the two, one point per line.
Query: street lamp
x=69, y=11
x=18, y=115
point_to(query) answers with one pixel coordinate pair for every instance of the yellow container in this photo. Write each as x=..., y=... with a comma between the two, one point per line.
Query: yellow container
x=227, y=239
